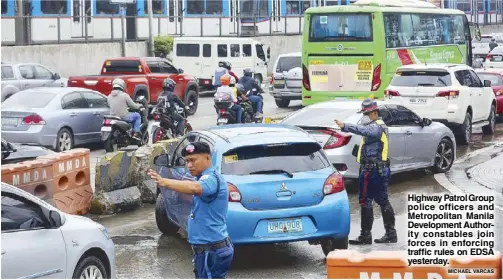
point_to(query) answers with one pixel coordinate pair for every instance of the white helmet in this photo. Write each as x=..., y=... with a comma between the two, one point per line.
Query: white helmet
x=119, y=84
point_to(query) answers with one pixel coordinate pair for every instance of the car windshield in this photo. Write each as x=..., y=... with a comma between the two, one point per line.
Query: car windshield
x=484, y=40
x=319, y=116
x=28, y=99
x=122, y=66
x=285, y=158
x=421, y=79
x=495, y=79
x=287, y=63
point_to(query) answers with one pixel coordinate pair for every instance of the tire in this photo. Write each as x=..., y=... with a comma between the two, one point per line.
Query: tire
x=248, y=118
x=443, y=158
x=109, y=146
x=64, y=140
x=465, y=131
x=161, y=217
x=491, y=127
x=144, y=139
x=158, y=133
x=282, y=103
x=330, y=244
x=90, y=264
x=191, y=97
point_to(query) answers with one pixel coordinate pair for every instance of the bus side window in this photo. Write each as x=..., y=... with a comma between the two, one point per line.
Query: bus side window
x=247, y=50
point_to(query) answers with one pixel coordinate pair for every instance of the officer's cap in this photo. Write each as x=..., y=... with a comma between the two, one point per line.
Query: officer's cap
x=368, y=105
x=196, y=148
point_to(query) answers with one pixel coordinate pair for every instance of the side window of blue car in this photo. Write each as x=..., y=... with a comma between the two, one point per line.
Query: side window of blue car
x=178, y=160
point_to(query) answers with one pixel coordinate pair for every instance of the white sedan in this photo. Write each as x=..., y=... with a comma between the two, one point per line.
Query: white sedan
x=39, y=241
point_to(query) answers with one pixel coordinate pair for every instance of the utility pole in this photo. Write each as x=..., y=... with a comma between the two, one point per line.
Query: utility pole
x=20, y=23
x=150, y=28
x=123, y=30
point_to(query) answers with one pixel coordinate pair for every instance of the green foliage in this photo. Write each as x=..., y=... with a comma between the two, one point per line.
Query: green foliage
x=163, y=45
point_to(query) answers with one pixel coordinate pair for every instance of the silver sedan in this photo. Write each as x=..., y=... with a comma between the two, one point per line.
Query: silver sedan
x=414, y=142
x=59, y=118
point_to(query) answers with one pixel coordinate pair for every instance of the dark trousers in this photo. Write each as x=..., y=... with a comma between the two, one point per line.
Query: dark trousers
x=181, y=123
x=373, y=186
x=213, y=264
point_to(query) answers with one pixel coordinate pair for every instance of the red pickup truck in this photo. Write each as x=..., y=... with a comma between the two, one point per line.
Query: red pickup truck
x=143, y=76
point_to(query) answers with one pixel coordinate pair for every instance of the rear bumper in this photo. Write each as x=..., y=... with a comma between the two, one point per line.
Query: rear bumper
x=329, y=218
x=310, y=97
x=288, y=94
x=36, y=134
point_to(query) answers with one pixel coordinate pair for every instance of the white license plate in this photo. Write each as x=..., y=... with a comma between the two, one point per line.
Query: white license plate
x=106, y=128
x=158, y=124
x=284, y=226
x=418, y=101
x=222, y=120
x=9, y=121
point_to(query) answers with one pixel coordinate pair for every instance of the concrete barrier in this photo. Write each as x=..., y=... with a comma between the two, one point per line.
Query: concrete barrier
x=348, y=264
x=122, y=183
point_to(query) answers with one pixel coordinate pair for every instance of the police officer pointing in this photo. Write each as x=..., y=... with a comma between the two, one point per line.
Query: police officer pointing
x=374, y=173
x=207, y=224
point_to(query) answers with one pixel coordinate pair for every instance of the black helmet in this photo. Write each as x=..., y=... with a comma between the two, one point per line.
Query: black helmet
x=368, y=105
x=248, y=72
x=225, y=64
x=168, y=84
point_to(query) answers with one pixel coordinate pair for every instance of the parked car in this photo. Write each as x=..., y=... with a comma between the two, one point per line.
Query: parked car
x=58, y=118
x=481, y=48
x=281, y=186
x=20, y=76
x=449, y=93
x=143, y=77
x=40, y=241
x=414, y=142
x=286, y=80
x=14, y=153
x=495, y=58
x=496, y=78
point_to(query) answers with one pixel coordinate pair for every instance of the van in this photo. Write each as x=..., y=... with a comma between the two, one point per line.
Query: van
x=286, y=80
x=199, y=56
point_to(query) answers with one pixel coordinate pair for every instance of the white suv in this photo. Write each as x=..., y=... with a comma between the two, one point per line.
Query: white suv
x=448, y=93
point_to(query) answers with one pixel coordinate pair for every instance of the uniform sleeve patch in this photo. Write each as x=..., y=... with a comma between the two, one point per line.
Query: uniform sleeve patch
x=204, y=177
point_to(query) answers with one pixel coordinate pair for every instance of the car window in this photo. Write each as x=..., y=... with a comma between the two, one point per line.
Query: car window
x=421, y=79
x=205, y=140
x=74, y=100
x=168, y=68
x=20, y=214
x=178, y=160
x=26, y=71
x=464, y=78
x=42, y=73
x=95, y=100
x=496, y=79
x=405, y=117
x=293, y=157
x=154, y=66
x=25, y=98
x=7, y=72
x=287, y=63
x=475, y=79
x=386, y=116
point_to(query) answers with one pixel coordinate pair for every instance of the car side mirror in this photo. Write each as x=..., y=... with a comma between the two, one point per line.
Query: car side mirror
x=162, y=160
x=426, y=122
x=180, y=71
x=55, y=219
x=56, y=76
x=487, y=83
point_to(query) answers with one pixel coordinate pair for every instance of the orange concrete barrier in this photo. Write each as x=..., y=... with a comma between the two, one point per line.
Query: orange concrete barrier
x=348, y=264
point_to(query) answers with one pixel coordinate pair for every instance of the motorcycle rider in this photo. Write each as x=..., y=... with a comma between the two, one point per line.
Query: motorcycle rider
x=227, y=65
x=220, y=71
x=168, y=86
x=226, y=90
x=120, y=102
x=251, y=86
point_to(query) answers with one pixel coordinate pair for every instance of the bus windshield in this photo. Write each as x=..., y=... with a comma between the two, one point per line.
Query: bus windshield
x=340, y=27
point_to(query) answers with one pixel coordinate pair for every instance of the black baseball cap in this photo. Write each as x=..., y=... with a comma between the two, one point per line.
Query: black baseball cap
x=196, y=148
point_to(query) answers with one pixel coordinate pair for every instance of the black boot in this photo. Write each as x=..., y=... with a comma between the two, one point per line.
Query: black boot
x=367, y=219
x=388, y=216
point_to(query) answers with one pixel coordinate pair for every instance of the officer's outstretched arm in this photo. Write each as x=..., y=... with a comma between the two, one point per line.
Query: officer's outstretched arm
x=372, y=130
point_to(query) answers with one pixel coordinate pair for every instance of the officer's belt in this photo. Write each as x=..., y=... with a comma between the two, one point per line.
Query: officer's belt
x=211, y=246
x=374, y=164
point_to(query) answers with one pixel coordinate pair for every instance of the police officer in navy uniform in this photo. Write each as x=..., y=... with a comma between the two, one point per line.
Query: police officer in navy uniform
x=207, y=225
x=373, y=158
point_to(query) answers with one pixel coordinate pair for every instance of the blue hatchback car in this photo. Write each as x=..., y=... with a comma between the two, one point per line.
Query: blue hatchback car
x=282, y=188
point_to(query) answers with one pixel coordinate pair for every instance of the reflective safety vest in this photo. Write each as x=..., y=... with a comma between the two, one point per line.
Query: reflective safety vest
x=383, y=147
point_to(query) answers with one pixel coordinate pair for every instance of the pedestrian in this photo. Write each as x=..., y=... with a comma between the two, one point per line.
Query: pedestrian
x=374, y=175
x=493, y=44
x=207, y=224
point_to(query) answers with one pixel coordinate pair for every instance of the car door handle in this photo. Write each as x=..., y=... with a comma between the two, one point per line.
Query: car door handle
x=73, y=115
x=408, y=133
x=97, y=113
x=154, y=78
x=3, y=252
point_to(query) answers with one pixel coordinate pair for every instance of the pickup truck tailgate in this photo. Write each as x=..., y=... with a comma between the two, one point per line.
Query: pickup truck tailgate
x=100, y=84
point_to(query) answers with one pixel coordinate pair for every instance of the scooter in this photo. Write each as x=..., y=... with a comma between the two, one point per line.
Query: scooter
x=117, y=133
x=164, y=127
x=228, y=116
x=254, y=105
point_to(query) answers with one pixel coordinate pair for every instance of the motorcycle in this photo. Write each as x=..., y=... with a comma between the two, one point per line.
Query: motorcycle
x=164, y=127
x=228, y=116
x=254, y=105
x=117, y=133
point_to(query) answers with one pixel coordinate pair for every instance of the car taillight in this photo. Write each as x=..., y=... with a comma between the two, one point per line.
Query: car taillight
x=499, y=92
x=271, y=80
x=107, y=122
x=333, y=184
x=376, y=79
x=449, y=94
x=337, y=139
x=234, y=194
x=388, y=93
x=33, y=119
x=489, y=56
x=305, y=78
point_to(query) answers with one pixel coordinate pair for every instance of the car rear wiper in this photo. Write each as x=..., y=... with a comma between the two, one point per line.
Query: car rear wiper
x=425, y=85
x=273, y=171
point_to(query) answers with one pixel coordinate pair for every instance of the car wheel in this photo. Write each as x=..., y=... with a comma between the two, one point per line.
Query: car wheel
x=144, y=139
x=90, y=267
x=465, y=133
x=330, y=244
x=444, y=157
x=64, y=140
x=282, y=103
x=161, y=217
x=491, y=127
x=191, y=100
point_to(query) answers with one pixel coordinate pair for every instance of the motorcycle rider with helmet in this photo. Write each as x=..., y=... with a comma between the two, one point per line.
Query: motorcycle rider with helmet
x=250, y=85
x=227, y=65
x=226, y=90
x=120, y=102
x=219, y=72
x=168, y=86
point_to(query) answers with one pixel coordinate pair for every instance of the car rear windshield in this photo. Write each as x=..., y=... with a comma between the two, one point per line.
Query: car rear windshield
x=422, y=79
x=495, y=79
x=287, y=63
x=261, y=159
x=319, y=116
x=122, y=66
x=28, y=99
x=340, y=27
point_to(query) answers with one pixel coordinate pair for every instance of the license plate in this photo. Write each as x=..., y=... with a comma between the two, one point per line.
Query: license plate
x=279, y=82
x=417, y=101
x=9, y=121
x=284, y=226
x=106, y=128
x=222, y=120
x=156, y=124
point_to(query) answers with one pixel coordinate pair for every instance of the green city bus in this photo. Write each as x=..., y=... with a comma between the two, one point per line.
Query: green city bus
x=353, y=51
